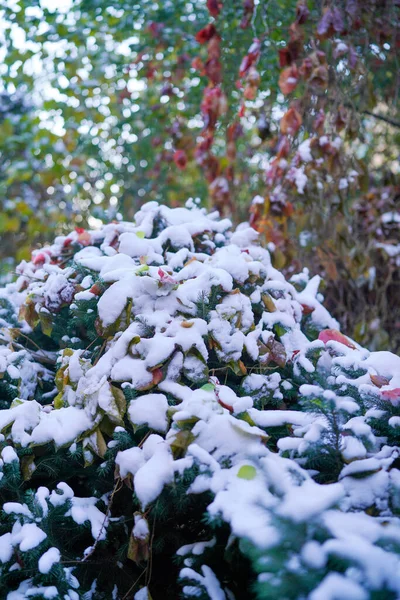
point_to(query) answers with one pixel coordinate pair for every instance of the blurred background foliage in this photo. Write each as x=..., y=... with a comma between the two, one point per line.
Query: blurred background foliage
x=293, y=103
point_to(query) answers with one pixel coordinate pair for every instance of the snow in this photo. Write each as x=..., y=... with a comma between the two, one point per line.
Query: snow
x=48, y=559
x=61, y=426
x=27, y=590
x=27, y=536
x=208, y=580
x=141, y=528
x=142, y=594
x=277, y=418
x=338, y=587
x=129, y=461
x=150, y=410
x=6, y=547
x=157, y=471
x=113, y=301
x=305, y=502
x=167, y=363
x=312, y=555
x=84, y=509
x=304, y=151
x=9, y=455
x=300, y=179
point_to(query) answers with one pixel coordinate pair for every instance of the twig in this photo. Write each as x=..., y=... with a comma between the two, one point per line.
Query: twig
x=382, y=118
x=134, y=583
x=116, y=489
x=150, y=564
x=44, y=358
x=92, y=342
x=100, y=353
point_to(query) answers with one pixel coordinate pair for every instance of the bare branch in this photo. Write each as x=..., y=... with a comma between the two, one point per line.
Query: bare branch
x=382, y=118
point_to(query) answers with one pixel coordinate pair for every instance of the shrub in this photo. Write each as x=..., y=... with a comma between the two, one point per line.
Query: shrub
x=194, y=424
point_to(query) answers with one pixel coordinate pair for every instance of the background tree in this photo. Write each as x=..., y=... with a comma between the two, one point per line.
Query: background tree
x=295, y=104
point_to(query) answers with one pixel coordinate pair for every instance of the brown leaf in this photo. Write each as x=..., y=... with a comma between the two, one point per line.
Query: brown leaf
x=291, y=122
x=319, y=79
x=379, y=380
x=139, y=547
x=288, y=79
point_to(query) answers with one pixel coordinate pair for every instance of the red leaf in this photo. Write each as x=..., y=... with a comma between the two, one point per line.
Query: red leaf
x=164, y=277
x=248, y=13
x=284, y=57
x=157, y=376
x=40, y=258
x=302, y=12
x=307, y=310
x=214, y=7
x=180, y=159
x=392, y=395
x=213, y=70
x=84, y=238
x=283, y=148
x=198, y=64
x=328, y=335
x=96, y=289
x=205, y=34
x=288, y=209
x=251, y=57
x=288, y=79
x=155, y=28
x=319, y=121
x=319, y=78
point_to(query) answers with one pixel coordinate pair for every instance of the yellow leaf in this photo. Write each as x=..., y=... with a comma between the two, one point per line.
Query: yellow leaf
x=27, y=466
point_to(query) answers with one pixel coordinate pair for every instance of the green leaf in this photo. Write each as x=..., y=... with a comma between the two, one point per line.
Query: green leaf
x=208, y=387
x=247, y=472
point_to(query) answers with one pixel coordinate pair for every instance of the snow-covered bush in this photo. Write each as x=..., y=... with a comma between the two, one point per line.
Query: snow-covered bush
x=186, y=422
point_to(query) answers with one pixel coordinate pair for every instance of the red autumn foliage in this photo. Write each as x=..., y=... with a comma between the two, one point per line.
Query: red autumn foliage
x=251, y=57
x=392, y=395
x=214, y=7
x=204, y=35
x=333, y=335
x=248, y=10
x=180, y=159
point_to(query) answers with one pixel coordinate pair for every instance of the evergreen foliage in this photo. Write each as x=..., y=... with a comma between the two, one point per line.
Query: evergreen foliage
x=178, y=420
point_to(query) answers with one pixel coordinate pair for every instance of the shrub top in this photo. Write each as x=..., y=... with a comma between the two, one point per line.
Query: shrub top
x=181, y=333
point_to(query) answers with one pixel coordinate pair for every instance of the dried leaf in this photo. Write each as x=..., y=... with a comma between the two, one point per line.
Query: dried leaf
x=379, y=380
x=288, y=79
x=291, y=122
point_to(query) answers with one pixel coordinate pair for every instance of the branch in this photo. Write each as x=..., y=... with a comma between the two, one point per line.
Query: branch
x=382, y=118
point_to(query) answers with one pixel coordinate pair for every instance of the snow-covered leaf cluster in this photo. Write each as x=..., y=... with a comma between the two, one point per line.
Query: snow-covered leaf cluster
x=217, y=399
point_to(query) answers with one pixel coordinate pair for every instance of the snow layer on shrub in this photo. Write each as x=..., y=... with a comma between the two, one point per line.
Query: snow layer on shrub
x=229, y=378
